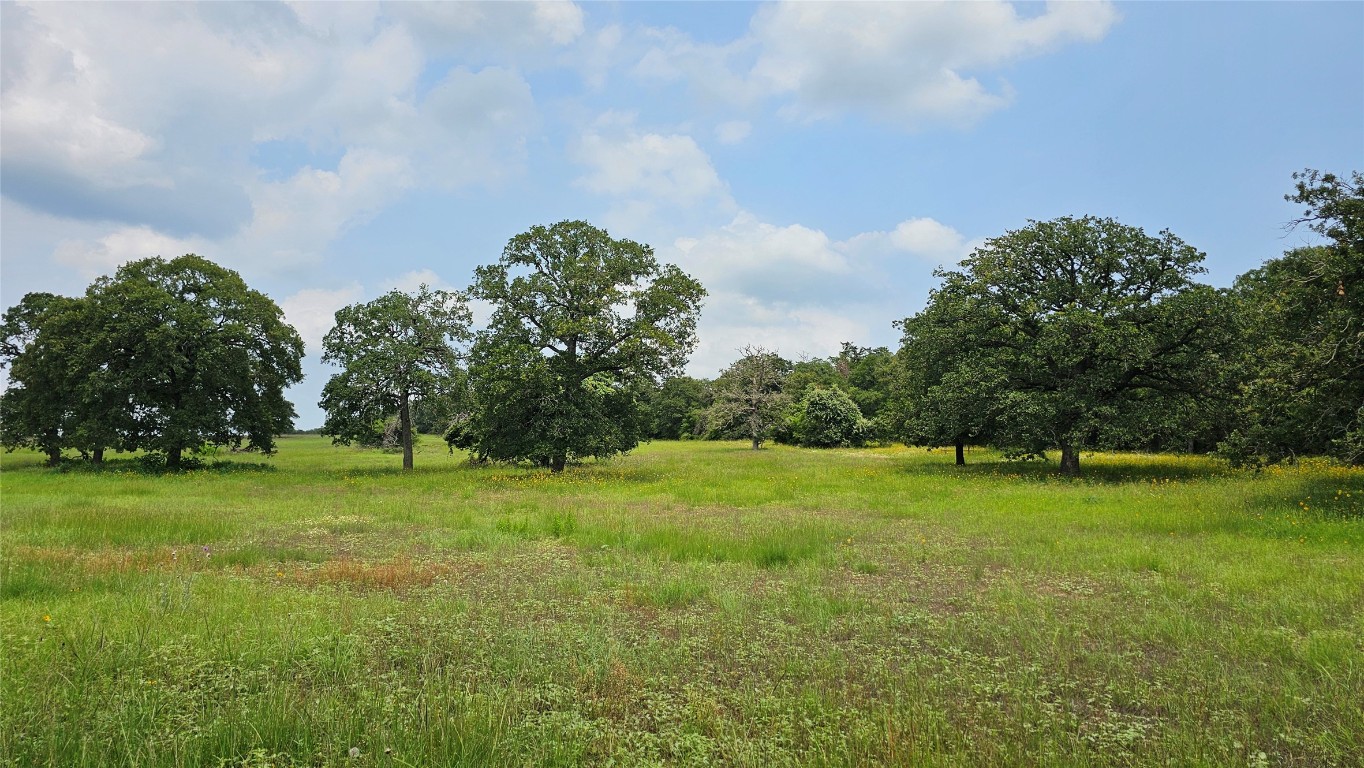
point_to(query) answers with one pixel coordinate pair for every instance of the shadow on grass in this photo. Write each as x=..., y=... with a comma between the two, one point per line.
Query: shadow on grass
x=1107, y=468
x=156, y=465
x=514, y=473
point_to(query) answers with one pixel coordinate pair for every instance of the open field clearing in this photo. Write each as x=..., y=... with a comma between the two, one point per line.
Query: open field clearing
x=689, y=604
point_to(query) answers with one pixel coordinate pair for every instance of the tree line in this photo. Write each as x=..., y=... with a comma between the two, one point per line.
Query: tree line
x=1068, y=335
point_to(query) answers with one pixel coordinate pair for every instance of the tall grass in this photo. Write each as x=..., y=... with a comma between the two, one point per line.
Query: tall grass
x=692, y=603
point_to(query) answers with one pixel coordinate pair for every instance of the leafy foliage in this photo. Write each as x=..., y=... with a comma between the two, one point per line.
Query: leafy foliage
x=164, y=356
x=676, y=408
x=828, y=418
x=45, y=344
x=1073, y=333
x=392, y=351
x=582, y=327
x=749, y=396
x=1302, y=318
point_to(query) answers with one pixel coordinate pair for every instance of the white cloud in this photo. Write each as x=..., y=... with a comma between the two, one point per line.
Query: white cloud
x=671, y=168
x=733, y=131
x=761, y=258
x=923, y=238
x=732, y=321
x=796, y=290
x=312, y=312
x=411, y=282
x=295, y=219
x=85, y=137
x=909, y=64
x=108, y=253
x=654, y=181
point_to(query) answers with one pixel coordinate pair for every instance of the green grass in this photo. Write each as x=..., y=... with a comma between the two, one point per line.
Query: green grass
x=689, y=604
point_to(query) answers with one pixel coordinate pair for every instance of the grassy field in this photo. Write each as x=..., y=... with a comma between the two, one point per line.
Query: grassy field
x=689, y=604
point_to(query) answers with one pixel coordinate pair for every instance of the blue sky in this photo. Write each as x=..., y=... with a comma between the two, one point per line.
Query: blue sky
x=811, y=163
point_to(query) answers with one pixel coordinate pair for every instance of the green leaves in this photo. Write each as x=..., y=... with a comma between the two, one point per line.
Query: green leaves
x=1067, y=333
x=392, y=350
x=165, y=356
x=582, y=325
x=828, y=418
x=1301, y=317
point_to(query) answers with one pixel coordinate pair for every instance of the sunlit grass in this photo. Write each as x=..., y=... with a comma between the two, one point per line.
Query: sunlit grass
x=692, y=603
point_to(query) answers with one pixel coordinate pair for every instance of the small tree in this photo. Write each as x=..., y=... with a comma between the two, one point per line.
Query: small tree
x=828, y=418
x=392, y=350
x=583, y=326
x=748, y=395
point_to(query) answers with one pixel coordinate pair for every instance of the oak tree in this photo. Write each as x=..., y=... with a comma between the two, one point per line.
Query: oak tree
x=583, y=326
x=392, y=351
x=1071, y=334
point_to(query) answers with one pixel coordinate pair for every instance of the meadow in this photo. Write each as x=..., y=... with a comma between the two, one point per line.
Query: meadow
x=687, y=604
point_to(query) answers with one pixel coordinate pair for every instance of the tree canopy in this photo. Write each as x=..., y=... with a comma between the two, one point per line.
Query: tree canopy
x=1068, y=333
x=583, y=325
x=45, y=344
x=828, y=418
x=749, y=399
x=393, y=350
x=1301, y=317
x=165, y=356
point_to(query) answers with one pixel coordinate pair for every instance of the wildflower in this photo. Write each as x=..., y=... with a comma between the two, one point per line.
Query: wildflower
x=47, y=618
x=207, y=553
x=354, y=752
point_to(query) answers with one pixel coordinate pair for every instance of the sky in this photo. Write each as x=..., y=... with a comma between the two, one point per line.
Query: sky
x=811, y=164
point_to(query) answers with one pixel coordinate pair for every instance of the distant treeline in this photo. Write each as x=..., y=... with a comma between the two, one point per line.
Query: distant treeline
x=1067, y=335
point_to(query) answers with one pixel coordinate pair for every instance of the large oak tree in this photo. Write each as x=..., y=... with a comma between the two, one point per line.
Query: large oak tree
x=583, y=326
x=166, y=356
x=1070, y=334
x=1302, y=319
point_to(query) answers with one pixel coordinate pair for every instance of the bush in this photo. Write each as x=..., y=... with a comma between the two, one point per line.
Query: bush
x=828, y=418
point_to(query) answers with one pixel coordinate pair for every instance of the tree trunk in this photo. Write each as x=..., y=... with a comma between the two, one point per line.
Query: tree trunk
x=98, y=456
x=405, y=424
x=961, y=452
x=556, y=464
x=1070, y=461
x=54, y=456
x=173, y=458
x=757, y=443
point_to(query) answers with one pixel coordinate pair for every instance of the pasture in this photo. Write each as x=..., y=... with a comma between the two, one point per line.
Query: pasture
x=687, y=604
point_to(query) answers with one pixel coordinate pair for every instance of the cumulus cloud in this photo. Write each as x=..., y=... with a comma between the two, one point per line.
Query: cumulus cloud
x=670, y=168
x=312, y=312
x=644, y=173
x=106, y=254
x=794, y=289
x=734, y=320
x=733, y=131
x=910, y=64
x=86, y=138
x=923, y=238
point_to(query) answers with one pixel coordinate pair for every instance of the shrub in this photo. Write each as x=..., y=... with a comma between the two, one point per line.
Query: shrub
x=828, y=418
